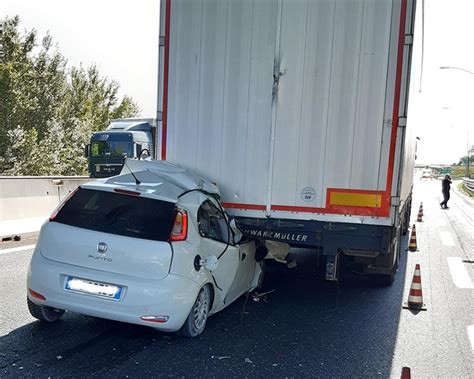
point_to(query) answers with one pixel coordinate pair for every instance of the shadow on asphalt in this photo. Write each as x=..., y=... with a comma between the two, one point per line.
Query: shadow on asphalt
x=306, y=327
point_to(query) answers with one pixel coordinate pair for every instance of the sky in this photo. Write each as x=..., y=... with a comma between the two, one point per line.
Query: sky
x=121, y=36
x=442, y=108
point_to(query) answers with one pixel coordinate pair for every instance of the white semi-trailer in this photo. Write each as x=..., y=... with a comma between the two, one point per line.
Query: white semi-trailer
x=297, y=109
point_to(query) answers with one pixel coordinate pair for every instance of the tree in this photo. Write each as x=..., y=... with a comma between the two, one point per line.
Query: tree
x=94, y=98
x=47, y=109
x=463, y=160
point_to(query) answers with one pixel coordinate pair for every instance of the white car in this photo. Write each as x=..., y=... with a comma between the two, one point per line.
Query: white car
x=152, y=246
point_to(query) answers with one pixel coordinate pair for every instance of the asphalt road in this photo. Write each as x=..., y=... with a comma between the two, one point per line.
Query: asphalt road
x=305, y=328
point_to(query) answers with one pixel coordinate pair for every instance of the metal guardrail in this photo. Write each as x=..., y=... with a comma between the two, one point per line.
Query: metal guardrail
x=469, y=184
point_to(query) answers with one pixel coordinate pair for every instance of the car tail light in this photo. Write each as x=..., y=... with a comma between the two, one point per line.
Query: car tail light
x=36, y=295
x=180, y=226
x=61, y=204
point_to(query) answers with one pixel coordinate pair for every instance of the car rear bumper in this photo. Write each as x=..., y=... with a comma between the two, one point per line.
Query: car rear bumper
x=172, y=296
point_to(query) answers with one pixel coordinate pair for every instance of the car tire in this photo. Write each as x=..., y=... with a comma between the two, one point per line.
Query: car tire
x=44, y=313
x=197, y=318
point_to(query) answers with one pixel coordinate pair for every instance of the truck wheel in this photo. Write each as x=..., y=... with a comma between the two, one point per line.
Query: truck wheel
x=384, y=280
x=43, y=313
x=405, y=225
x=197, y=318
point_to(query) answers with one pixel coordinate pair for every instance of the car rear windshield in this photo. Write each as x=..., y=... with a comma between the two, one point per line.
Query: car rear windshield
x=125, y=215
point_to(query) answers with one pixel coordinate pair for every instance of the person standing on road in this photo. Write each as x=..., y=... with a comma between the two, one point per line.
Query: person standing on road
x=445, y=187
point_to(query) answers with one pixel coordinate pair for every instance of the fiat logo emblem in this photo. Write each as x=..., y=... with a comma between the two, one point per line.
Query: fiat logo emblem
x=102, y=247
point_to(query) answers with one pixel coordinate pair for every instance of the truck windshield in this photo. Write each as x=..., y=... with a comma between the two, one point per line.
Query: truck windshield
x=111, y=148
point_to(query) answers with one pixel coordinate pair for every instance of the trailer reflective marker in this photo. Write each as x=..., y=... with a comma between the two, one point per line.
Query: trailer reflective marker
x=255, y=207
x=354, y=199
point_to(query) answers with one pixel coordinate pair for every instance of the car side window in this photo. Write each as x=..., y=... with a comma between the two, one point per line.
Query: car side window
x=212, y=223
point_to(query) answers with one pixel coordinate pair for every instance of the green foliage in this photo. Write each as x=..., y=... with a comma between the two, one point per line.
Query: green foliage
x=463, y=160
x=460, y=171
x=48, y=110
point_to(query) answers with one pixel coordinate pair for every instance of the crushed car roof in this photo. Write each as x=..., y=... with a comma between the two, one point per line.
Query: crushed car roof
x=159, y=179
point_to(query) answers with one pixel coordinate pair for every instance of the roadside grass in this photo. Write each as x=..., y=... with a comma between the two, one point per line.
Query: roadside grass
x=460, y=171
x=465, y=190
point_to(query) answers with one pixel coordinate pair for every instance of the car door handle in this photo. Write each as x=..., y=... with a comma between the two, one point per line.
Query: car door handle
x=243, y=256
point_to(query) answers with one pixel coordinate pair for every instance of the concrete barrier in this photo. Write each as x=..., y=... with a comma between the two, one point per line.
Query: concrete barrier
x=33, y=197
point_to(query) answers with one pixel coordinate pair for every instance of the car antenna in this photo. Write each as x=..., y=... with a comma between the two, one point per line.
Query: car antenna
x=137, y=182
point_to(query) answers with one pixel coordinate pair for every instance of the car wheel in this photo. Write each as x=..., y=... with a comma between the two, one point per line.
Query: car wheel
x=197, y=318
x=43, y=313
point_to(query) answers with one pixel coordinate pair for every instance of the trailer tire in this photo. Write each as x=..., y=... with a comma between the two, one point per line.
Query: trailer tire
x=385, y=280
x=406, y=219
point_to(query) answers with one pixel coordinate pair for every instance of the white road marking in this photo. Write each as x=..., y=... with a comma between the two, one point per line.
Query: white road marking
x=441, y=222
x=470, y=333
x=447, y=239
x=17, y=249
x=459, y=273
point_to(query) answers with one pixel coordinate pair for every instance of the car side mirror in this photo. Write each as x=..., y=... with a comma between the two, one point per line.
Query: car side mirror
x=235, y=230
x=86, y=151
x=145, y=153
x=139, y=149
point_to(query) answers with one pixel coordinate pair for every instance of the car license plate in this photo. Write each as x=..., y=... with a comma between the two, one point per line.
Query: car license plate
x=92, y=287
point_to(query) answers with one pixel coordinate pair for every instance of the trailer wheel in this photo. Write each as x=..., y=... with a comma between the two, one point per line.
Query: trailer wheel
x=384, y=280
x=406, y=219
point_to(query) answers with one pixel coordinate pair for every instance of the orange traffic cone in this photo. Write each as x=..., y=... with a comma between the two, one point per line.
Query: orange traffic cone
x=421, y=208
x=415, y=298
x=412, y=245
x=420, y=215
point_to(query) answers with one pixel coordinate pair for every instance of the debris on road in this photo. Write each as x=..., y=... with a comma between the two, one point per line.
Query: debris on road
x=247, y=360
x=58, y=357
x=220, y=358
x=257, y=296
